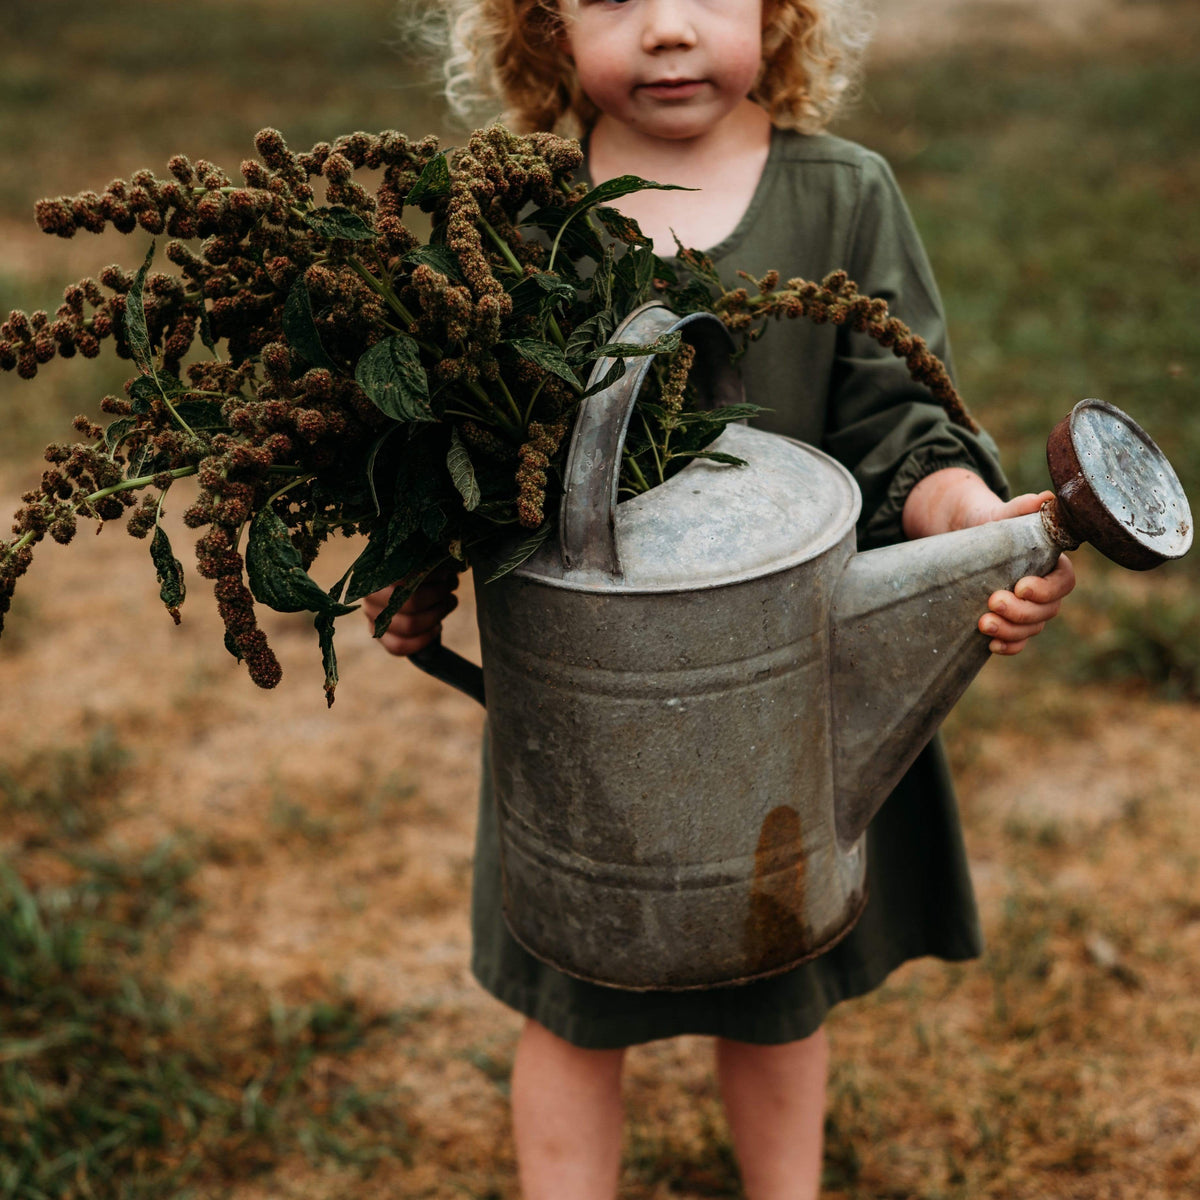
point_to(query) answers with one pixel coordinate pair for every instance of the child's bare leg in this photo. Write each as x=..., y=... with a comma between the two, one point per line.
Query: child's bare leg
x=567, y=1117
x=775, y=1102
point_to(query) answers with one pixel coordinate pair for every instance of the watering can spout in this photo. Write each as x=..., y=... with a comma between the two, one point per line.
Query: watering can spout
x=904, y=619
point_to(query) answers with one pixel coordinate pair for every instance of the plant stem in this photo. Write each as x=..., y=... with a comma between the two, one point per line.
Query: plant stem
x=500, y=417
x=516, y=408
x=287, y=487
x=127, y=485
x=384, y=290
x=501, y=245
x=510, y=258
x=639, y=478
x=658, y=462
x=170, y=407
x=537, y=391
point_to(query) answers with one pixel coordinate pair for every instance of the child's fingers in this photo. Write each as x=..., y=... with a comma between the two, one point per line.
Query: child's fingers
x=1006, y=649
x=409, y=632
x=1006, y=606
x=1048, y=588
x=431, y=594
x=1000, y=630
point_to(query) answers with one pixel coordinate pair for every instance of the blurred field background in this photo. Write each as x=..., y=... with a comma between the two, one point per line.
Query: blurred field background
x=233, y=938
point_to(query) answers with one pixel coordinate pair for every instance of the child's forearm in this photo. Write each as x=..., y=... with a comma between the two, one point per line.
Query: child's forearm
x=952, y=498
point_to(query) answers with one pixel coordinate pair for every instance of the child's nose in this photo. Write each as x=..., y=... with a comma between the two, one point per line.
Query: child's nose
x=668, y=25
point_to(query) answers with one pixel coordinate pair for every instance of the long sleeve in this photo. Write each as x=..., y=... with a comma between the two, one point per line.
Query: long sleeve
x=887, y=429
x=826, y=204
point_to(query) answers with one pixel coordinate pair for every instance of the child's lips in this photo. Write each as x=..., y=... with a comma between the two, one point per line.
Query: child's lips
x=672, y=89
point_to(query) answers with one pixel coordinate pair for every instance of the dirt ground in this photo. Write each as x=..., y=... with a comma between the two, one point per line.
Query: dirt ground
x=336, y=845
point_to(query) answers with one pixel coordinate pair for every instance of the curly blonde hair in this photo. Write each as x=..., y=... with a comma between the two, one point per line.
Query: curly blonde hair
x=509, y=51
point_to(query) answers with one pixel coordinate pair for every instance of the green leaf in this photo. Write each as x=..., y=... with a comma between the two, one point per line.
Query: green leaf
x=142, y=391
x=433, y=183
x=324, y=626
x=667, y=343
x=574, y=240
x=724, y=415
x=545, y=355
x=595, y=331
x=201, y=414
x=391, y=374
x=618, y=225
x=718, y=456
x=694, y=296
x=171, y=588
x=623, y=185
x=523, y=550
x=301, y=330
x=145, y=389
x=634, y=274
x=698, y=263
x=602, y=282
x=206, y=334
x=116, y=431
x=135, y=318
x=372, y=455
x=540, y=293
x=337, y=221
x=614, y=372
x=276, y=574
x=440, y=258
x=461, y=471
x=406, y=586
x=383, y=560
x=139, y=461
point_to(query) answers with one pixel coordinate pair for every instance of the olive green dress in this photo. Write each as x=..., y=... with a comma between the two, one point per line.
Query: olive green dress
x=822, y=204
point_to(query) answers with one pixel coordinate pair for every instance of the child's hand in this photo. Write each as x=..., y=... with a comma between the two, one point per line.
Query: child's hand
x=419, y=620
x=955, y=498
x=1014, y=617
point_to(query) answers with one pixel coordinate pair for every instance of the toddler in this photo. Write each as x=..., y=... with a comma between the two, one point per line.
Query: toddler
x=730, y=97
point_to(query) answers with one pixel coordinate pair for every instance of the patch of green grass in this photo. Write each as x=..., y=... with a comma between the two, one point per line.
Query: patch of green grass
x=68, y=788
x=137, y=81
x=112, y=1085
x=1154, y=639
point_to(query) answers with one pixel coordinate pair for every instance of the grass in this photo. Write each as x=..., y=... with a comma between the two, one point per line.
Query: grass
x=123, y=86
x=114, y=1085
x=69, y=785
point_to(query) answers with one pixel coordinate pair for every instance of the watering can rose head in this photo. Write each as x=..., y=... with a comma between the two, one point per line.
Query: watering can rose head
x=318, y=368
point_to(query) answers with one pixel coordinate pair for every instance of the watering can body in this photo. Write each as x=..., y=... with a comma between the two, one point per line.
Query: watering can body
x=662, y=751
x=699, y=698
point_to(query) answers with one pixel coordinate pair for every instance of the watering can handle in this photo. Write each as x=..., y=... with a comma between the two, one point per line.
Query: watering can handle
x=450, y=667
x=587, y=520
x=586, y=525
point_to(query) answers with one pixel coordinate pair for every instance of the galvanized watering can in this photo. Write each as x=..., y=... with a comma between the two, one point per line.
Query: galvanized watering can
x=700, y=697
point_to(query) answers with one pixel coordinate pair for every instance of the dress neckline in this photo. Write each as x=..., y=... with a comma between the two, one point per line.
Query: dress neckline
x=737, y=234
x=732, y=240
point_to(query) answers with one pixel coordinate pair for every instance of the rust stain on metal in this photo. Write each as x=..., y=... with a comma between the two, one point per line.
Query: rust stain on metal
x=776, y=929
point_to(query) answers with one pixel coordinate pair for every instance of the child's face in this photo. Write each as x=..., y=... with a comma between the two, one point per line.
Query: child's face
x=666, y=68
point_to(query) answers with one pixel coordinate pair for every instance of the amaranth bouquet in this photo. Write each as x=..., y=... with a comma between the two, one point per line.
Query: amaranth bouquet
x=360, y=380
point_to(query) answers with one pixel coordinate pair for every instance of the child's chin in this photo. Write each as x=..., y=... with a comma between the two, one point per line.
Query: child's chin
x=678, y=123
